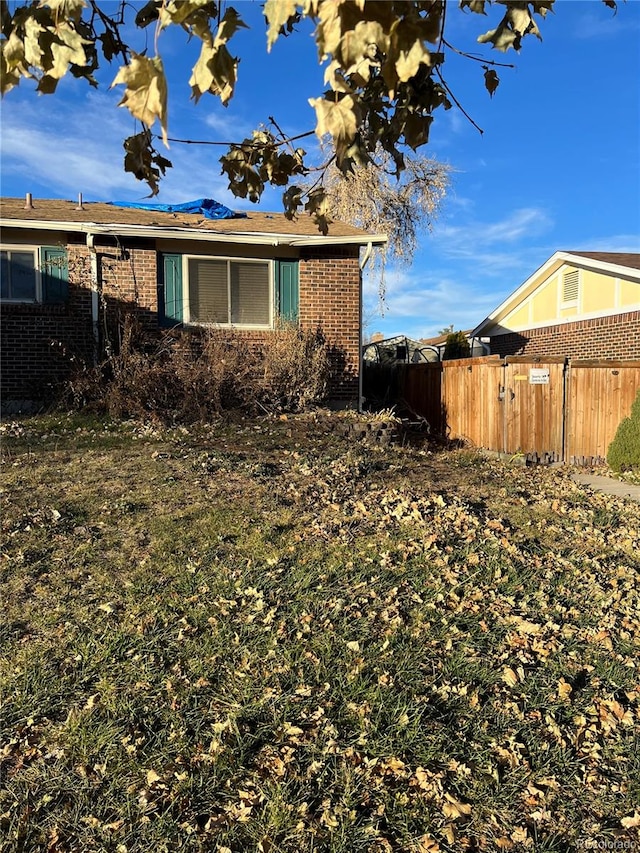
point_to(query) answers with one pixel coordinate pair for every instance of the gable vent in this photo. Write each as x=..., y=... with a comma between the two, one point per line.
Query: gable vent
x=570, y=282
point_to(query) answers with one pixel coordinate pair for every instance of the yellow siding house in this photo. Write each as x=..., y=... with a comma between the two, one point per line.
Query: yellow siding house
x=577, y=305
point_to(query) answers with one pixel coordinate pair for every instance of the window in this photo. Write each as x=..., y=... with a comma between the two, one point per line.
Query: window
x=226, y=291
x=229, y=292
x=18, y=275
x=33, y=275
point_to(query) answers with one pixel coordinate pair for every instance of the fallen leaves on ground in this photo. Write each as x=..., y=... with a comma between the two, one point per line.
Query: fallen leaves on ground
x=260, y=636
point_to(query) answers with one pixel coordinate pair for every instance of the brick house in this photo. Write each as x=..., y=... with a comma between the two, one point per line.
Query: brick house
x=576, y=305
x=68, y=269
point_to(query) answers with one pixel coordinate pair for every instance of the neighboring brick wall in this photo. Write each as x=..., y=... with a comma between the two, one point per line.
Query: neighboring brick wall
x=617, y=336
x=330, y=299
x=42, y=343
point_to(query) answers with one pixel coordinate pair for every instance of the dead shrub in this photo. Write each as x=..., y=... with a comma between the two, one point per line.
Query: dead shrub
x=188, y=376
x=294, y=369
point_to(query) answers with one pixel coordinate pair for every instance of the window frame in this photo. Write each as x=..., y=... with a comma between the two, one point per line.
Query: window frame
x=35, y=251
x=228, y=259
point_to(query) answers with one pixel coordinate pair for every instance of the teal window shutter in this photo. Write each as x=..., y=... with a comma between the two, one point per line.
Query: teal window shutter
x=54, y=273
x=287, y=290
x=170, y=290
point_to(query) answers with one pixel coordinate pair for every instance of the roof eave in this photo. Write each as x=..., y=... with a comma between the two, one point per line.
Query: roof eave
x=518, y=294
x=603, y=266
x=251, y=238
x=365, y=240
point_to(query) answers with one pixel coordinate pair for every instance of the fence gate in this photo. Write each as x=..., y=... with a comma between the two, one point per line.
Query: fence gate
x=533, y=396
x=471, y=400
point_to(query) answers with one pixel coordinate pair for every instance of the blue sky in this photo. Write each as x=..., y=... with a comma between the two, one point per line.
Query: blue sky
x=557, y=167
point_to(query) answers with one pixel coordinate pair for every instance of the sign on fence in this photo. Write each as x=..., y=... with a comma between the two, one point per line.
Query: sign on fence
x=538, y=376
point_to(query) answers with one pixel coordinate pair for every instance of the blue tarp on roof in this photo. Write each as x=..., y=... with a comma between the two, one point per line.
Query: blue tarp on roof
x=207, y=207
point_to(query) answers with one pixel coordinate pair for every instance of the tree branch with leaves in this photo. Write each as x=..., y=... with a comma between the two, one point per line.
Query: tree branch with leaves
x=383, y=79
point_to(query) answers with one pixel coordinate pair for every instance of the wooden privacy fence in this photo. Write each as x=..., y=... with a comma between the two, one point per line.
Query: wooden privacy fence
x=549, y=409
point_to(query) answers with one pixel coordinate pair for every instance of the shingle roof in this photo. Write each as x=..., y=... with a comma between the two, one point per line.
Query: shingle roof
x=258, y=222
x=623, y=259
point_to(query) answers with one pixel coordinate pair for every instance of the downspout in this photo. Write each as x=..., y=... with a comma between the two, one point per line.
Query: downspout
x=367, y=255
x=95, y=295
x=363, y=263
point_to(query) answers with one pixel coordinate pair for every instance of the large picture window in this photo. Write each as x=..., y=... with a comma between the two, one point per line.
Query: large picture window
x=229, y=292
x=226, y=291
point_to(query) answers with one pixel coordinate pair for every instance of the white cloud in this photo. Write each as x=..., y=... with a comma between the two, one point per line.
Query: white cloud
x=66, y=170
x=226, y=127
x=490, y=252
x=459, y=278
x=462, y=272
x=418, y=304
x=66, y=150
x=615, y=243
x=604, y=23
x=472, y=237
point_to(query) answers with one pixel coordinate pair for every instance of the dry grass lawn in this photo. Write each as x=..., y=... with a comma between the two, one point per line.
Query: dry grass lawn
x=261, y=636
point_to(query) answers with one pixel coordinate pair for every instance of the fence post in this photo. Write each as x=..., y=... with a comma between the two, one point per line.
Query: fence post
x=446, y=423
x=503, y=370
x=566, y=406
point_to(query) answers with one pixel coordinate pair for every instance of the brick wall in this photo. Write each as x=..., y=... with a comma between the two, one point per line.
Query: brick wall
x=617, y=336
x=330, y=299
x=129, y=278
x=41, y=343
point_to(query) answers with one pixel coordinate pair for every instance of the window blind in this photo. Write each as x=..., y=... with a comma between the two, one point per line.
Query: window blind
x=208, y=291
x=18, y=275
x=250, y=303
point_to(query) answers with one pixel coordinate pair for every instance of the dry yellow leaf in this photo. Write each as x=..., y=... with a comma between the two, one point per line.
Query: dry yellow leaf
x=394, y=765
x=519, y=834
x=146, y=94
x=427, y=844
x=509, y=676
x=292, y=731
x=450, y=832
x=423, y=779
x=328, y=818
x=455, y=809
x=564, y=690
x=92, y=700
